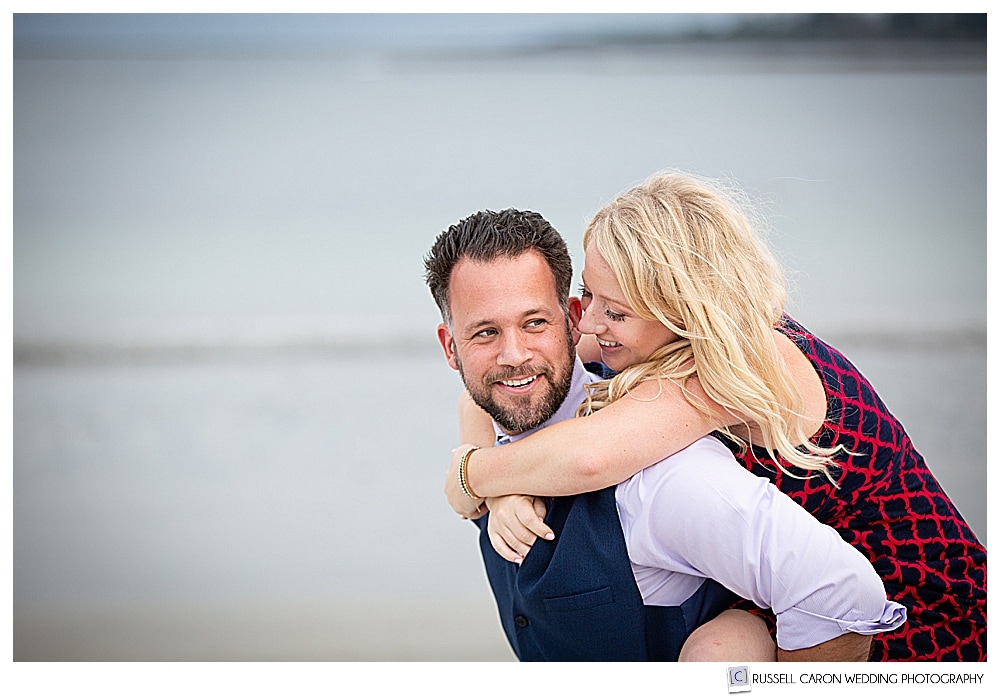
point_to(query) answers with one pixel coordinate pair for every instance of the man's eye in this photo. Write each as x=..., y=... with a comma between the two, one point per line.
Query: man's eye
x=537, y=323
x=486, y=333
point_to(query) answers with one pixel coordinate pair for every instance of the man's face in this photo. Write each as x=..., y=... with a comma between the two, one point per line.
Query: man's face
x=509, y=339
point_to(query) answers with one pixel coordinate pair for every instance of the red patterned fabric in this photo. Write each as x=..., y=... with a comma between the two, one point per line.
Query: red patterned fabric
x=891, y=508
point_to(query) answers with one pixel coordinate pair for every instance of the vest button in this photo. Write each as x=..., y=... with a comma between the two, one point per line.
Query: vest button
x=521, y=621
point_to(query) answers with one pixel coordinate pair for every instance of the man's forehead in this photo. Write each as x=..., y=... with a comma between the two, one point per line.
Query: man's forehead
x=503, y=272
x=502, y=286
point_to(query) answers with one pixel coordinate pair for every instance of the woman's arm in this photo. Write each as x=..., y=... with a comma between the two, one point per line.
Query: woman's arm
x=515, y=521
x=586, y=454
x=653, y=422
x=475, y=429
x=475, y=426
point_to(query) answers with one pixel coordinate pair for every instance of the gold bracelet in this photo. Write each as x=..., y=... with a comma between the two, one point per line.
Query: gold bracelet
x=463, y=473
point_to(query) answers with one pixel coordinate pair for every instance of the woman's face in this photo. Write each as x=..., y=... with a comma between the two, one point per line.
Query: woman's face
x=625, y=339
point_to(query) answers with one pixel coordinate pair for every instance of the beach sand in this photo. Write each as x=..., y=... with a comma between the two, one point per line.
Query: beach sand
x=272, y=630
x=207, y=511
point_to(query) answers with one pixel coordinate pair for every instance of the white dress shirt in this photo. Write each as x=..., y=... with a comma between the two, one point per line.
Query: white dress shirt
x=700, y=514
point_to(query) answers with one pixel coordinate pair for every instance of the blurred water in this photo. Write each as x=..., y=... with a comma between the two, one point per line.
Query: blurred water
x=230, y=417
x=291, y=508
x=261, y=492
x=164, y=198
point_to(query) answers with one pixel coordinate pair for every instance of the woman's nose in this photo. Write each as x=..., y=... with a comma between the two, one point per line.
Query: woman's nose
x=591, y=323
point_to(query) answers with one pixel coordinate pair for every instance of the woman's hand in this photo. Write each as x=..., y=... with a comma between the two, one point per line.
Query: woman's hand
x=515, y=523
x=457, y=499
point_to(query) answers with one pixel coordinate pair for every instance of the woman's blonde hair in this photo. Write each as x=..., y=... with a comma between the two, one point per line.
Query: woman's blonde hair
x=687, y=254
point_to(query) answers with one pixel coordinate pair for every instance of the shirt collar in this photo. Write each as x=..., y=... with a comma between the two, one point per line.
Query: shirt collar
x=567, y=410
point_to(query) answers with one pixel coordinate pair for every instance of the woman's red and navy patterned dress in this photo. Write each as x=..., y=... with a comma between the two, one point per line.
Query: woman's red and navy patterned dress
x=891, y=508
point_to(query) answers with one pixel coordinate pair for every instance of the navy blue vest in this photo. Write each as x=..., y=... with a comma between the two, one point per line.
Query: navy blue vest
x=575, y=598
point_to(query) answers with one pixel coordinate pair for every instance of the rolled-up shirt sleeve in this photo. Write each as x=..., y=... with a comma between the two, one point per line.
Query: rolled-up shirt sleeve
x=701, y=513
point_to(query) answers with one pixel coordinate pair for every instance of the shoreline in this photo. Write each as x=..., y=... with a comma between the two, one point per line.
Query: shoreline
x=255, y=345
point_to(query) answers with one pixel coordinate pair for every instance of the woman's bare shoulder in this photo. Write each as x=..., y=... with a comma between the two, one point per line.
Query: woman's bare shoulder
x=807, y=379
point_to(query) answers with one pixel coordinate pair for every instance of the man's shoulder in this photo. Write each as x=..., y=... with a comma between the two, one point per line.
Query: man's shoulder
x=706, y=457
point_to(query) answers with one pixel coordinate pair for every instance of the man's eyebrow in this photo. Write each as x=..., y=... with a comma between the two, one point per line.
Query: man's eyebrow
x=474, y=327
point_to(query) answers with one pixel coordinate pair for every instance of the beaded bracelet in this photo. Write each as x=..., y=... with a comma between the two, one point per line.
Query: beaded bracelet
x=463, y=474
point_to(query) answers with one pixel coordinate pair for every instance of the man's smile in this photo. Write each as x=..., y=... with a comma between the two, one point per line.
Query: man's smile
x=520, y=384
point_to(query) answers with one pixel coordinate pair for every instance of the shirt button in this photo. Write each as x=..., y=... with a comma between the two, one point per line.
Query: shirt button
x=521, y=621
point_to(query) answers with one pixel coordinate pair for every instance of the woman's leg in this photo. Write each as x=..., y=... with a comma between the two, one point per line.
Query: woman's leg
x=733, y=636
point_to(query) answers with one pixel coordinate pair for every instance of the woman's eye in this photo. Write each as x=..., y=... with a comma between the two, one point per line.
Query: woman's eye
x=614, y=316
x=584, y=293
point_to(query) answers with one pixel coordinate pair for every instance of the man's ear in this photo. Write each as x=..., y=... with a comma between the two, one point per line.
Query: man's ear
x=575, y=307
x=448, y=344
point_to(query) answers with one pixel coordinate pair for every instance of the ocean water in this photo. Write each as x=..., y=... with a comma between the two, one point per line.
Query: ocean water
x=244, y=200
x=231, y=419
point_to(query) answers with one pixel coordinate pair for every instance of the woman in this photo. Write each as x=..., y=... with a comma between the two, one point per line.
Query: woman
x=677, y=250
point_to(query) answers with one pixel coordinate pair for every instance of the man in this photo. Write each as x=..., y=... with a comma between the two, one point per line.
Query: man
x=501, y=281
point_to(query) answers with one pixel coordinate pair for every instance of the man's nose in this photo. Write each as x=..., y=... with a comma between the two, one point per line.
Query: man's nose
x=514, y=350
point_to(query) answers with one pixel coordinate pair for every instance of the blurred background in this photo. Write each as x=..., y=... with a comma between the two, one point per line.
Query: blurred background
x=231, y=418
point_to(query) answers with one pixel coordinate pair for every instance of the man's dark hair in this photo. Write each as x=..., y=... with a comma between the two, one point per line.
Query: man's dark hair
x=487, y=235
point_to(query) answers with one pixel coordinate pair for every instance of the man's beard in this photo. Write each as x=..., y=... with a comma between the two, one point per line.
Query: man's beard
x=533, y=410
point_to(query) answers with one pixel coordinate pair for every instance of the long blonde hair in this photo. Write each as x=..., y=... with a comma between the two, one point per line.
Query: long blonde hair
x=687, y=254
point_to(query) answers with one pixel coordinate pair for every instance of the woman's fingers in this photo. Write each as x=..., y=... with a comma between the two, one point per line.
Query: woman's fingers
x=515, y=523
